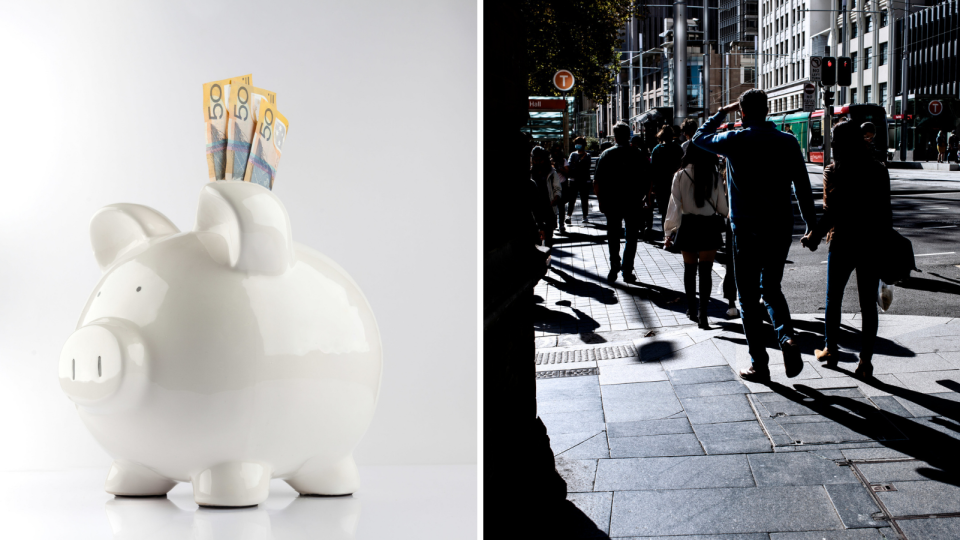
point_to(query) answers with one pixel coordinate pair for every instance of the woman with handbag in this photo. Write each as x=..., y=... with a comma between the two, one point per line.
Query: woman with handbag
x=856, y=219
x=696, y=213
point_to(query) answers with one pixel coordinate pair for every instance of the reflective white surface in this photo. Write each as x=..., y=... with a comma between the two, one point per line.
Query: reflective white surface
x=421, y=502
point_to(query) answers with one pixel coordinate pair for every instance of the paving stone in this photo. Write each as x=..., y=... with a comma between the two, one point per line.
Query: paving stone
x=866, y=388
x=684, y=444
x=854, y=505
x=722, y=511
x=850, y=534
x=696, y=472
x=733, y=438
x=569, y=405
x=932, y=529
x=922, y=430
x=648, y=427
x=596, y=506
x=661, y=346
x=702, y=375
x=873, y=453
x=639, y=401
x=632, y=373
x=561, y=442
x=717, y=409
x=703, y=354
x=926, y=382
x=822, y=430
x=711, y=389
x=920, y=362
x=592, y=448
x=579, y=474
x=894, y=471
x=750, y=536
x=890, y=405
x=939, y=404
x=573, y=422
x=930, y=344
x=798, y=469
x=563, y=388
x=922, y=497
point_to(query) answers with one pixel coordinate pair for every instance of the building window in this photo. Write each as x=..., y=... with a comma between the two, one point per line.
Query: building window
x=883, y=54
x=883, y=19
x=853, y=95
x=853, y=30
x=868, y=58
x=883, y=94
x=853, y=62
x=867, y=94
x=869, y=24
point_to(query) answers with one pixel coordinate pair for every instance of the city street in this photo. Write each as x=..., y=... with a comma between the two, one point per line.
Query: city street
x=656, y=436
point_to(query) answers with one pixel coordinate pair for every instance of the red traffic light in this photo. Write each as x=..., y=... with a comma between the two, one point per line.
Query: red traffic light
x=829, y=63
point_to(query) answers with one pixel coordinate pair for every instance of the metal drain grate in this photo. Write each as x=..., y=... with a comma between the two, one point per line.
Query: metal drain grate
x=606, y=352
x=581, y=372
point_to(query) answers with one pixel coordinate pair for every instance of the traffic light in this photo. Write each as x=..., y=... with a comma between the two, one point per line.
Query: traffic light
x=828, y=71
x=827, y=98
x=844, y=64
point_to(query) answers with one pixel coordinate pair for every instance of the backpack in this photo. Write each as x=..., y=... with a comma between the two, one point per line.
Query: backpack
x=898, y=261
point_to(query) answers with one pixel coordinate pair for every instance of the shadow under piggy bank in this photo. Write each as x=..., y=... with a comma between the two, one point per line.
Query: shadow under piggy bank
x=333, y=518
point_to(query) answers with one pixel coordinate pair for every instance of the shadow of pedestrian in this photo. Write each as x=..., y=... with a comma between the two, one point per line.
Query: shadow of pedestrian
x=548, y=320
x=578, y=287
x=921, y=442
x=929, y=285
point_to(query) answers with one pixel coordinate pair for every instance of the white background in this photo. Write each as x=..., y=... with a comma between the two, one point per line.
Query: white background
x=102, y=103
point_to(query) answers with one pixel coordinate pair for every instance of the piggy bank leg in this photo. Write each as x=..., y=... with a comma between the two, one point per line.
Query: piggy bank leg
x=130, y=479
x=323, y=478
x=233, y=484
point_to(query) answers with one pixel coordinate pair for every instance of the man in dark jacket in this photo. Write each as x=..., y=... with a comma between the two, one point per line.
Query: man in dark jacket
x=621, y=181
x=763, y=164
x=665, y=161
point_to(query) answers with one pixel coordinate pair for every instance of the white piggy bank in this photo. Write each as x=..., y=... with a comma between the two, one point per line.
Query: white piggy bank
x=224, y=356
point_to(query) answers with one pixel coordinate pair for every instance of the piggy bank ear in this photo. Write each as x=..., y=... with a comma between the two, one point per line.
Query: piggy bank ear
x=253, y=224
x=119, y=228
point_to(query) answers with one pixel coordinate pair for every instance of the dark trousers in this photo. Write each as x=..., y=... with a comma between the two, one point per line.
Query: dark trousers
x=760, y=258
x=840, y=263
x=581, y=188
x=632, y=225
x=729, y=283
x=663, y=200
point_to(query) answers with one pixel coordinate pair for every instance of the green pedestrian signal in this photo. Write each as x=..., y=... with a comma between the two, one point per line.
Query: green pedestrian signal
x=844, y=68
x=828, y=73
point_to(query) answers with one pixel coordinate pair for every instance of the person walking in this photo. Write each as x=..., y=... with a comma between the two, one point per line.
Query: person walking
x=561, y=169
x=547, y=191
x=646, y=204
x=729, y=284
x=941, y=145
x=665, y=160
x=687, y=128
x=763, y=164
x=579, y=162
x=952, y=147
x=695, y=214
x=620, y=181
x=856, y=210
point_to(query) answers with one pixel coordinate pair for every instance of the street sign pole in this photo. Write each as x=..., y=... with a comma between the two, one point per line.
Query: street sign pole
x=903, y=87
x=827, y=117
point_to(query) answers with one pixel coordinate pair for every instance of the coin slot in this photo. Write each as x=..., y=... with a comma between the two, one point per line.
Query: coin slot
x=73, y=376
x=99, y=371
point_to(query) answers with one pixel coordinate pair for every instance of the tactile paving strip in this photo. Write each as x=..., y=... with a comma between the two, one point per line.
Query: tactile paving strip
x=586, y=354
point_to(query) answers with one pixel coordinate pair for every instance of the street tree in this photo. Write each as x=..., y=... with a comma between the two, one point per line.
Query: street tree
x=577, y=35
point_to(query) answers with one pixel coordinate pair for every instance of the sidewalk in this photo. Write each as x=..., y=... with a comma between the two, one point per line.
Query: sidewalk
x=658, y=438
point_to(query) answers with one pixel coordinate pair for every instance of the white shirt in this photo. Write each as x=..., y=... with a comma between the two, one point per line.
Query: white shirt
x=682, y=200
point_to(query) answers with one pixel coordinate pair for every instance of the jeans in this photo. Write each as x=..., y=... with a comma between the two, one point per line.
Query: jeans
x=840, y=263
x=760, y=258
x=729, y=284
x=632, y=224
x=581, y=187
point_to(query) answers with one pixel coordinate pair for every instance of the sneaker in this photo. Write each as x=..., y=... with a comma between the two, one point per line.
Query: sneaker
x=585, y=220
x=629, y=276
x=752, y=375
x=692, y=315
x=568, y=221
x=792, y=362
x=732, y=312
x=612, y=276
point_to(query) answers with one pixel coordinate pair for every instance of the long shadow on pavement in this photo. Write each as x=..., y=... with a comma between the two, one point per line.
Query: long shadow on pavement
x=923, y=443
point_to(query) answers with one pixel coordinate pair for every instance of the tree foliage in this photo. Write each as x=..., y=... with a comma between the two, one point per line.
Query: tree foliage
x=577, y=35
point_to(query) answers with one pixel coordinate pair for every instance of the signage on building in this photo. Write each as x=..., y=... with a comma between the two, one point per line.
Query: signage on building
x=935, y=107
x=815, y=69
x=547, y=104
x=563, y=80
x=809, y=97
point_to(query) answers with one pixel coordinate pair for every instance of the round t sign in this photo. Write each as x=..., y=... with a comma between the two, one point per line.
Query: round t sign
x=935, y=107
x=563, y=80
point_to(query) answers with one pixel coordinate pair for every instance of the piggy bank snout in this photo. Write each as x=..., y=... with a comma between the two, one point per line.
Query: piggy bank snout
x=91, y=364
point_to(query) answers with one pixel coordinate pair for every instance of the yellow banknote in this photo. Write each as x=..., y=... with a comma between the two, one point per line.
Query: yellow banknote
x=216, y=106
x=267, y=146
x=244, y=107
